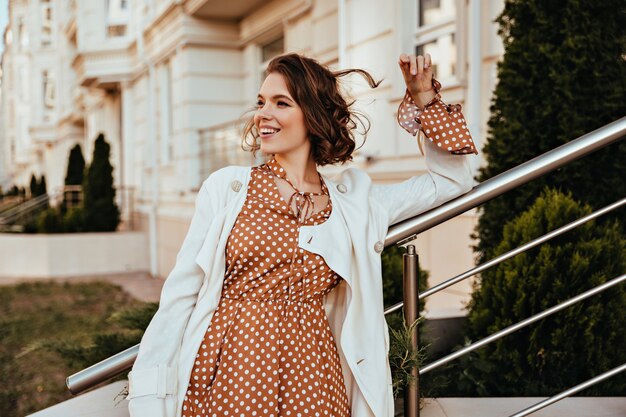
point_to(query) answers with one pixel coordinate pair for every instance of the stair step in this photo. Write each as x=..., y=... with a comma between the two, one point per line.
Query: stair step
x=101, y=402
x=503, y=407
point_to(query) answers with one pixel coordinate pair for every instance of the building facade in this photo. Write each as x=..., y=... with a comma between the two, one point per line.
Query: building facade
x=170, y=82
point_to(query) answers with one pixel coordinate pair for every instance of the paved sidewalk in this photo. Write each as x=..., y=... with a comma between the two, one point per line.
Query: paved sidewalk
x=139, y=285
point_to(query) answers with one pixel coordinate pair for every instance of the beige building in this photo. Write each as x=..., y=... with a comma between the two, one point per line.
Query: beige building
x=169, y=82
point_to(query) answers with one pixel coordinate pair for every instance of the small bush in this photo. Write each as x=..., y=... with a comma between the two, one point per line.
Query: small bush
x=570, y=346
x=50, y=221
x=74, y=220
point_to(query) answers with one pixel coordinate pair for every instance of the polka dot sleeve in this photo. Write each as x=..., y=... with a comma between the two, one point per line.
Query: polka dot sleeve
x=442, y=124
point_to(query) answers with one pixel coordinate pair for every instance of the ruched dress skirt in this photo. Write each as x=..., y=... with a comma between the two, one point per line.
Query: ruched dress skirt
x=269, y=350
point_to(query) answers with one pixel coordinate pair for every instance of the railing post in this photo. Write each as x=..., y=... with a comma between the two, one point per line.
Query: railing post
x=411, y=313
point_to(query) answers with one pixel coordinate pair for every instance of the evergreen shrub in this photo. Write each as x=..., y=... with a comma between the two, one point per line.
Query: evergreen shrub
x=563, y=74
x=101, y=213
x=570, y=346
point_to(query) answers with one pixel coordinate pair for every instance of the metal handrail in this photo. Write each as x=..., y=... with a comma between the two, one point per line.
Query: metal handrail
x=514, y=327
x=485, y=191
x=508, y=180
x=9, y=216
x=501, y=258
x=570, y=391
x=25, y=206
x=104, y=370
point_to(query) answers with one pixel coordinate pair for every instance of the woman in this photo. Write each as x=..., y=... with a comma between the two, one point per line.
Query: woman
x=275, y=306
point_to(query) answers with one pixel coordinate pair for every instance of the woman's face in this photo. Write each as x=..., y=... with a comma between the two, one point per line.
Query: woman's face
x=279, y=120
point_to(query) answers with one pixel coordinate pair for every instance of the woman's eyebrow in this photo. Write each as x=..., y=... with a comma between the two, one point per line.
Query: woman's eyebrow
x=278, y=97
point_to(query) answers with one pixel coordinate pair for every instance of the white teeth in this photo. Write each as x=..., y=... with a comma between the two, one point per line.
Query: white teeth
x=268, y=131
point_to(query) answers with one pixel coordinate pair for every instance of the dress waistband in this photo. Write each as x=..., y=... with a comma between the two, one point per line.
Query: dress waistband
x=279, y=300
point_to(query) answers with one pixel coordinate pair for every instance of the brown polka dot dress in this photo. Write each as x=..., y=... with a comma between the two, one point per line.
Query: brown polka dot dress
x=269, y=350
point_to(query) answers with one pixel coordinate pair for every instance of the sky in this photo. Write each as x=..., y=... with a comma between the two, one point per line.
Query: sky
x=4, y=17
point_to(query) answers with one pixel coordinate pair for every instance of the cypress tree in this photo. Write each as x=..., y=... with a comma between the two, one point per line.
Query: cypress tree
x=101, y=213
x=33, y=186
x=75, y=166
x=563, y=74
x=570, y=346
x=43, y=189
x=75, y=175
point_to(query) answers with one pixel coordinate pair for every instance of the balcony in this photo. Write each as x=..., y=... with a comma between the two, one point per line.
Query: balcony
x=43, y=133
x=103, y=68
x=233, y=10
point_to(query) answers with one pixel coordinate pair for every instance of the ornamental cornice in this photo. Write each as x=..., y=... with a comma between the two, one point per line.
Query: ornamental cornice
x=103, y=66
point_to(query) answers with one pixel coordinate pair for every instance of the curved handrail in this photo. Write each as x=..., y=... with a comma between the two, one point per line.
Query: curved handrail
x=485, y=191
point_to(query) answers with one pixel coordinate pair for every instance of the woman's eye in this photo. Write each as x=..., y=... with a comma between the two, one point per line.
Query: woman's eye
x=259, y=103
x=282, y=103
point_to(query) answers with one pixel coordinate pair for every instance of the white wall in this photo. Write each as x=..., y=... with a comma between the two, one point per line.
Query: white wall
x=71, y=254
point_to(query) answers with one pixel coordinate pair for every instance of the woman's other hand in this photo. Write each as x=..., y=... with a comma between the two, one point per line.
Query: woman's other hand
x=418, y=77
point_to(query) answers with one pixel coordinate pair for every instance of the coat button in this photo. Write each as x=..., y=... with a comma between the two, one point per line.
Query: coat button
x=342, y=188
x=379, y=246
x=236, y=186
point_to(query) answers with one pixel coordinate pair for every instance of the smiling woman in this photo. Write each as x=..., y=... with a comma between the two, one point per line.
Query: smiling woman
x=307, y=96
x=275, y=304
x=279, y=120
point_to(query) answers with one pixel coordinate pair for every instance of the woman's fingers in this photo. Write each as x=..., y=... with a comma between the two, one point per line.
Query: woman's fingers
x=417, y=71
x=404, y=62
x=415, y=65
x=420, y=66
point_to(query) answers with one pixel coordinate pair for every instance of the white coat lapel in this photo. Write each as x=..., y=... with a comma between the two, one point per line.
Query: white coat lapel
x=233, y=190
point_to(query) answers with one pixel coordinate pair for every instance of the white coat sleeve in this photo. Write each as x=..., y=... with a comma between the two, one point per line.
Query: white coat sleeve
x=449, y=172
x=152, y=381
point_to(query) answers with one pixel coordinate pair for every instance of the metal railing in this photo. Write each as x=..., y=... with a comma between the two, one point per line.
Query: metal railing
x=28, y=208
x=220, y=146
x=73, y=196
x=408, y=230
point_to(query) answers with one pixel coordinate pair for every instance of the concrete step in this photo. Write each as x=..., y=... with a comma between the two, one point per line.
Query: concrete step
x=505, y=407
x=101, y=402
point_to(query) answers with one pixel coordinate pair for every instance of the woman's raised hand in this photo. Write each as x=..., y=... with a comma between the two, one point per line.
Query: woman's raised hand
x=418, y=75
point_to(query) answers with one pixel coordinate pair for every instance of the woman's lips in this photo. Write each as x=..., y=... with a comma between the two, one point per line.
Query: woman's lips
x=267, y=133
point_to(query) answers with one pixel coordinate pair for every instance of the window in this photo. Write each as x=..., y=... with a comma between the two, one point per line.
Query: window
x=48, y=91
x=272, y=49
x=24, y=90
x=48, y=95
x=444, y=49
x=46, y=23
x=22, y=34
x=435, y=33
x=117, y=18
x=431, y=12
x=165, y=111
x=268, y=51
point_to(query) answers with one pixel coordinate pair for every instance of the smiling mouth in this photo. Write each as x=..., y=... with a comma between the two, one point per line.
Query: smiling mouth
x=267, y=132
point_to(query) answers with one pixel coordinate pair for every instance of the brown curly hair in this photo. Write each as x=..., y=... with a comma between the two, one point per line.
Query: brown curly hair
x=328, y=117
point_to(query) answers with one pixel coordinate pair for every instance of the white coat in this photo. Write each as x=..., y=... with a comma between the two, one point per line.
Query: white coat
x=350, y=241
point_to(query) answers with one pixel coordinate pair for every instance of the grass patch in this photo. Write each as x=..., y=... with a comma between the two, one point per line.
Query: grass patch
x=49, y=331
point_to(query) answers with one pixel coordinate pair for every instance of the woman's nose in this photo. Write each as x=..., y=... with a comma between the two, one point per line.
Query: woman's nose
x=264, y=112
